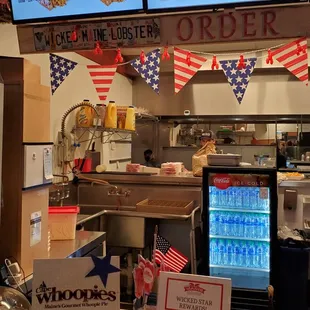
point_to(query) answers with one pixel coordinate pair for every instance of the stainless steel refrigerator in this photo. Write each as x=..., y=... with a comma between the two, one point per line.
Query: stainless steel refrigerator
x=240, y=231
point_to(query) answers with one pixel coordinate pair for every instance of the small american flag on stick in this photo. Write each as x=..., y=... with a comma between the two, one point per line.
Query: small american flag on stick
x=171, y=257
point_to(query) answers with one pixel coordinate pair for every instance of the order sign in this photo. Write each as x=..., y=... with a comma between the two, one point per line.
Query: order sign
x=185, y=291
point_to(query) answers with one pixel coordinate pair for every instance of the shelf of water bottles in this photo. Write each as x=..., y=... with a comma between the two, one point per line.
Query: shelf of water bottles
x=245, y=198
x=240, y=225
x=240, y=254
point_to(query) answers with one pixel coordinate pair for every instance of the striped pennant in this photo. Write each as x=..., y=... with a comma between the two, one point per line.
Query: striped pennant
x=294, y=60
x=102, y=77
x=182, y=71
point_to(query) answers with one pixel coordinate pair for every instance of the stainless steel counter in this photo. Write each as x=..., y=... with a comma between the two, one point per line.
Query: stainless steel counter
x=145, y=179
x=84, y=242
x=130, y=212
x=298, y=184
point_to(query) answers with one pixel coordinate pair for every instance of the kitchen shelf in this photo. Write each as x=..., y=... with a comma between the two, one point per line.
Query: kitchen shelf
x=238, y=238
x=239, y=210
x=239, y=268
x=103, y=129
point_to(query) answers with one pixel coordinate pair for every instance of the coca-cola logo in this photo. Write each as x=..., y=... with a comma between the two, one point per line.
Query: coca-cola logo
x=222, y=181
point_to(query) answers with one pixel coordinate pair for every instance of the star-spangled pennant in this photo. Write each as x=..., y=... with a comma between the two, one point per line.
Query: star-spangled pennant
x=294, y=57
x=238, y=78
x=102, y=268
x=149, y=70
x=60, y=68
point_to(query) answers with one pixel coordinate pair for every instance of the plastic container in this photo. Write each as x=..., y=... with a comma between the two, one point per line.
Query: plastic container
x=62, y=222
x=111, y=116
x=121, y=117
x=130, y=119
x=224, y=159
x=85, y=116
x=87, y=164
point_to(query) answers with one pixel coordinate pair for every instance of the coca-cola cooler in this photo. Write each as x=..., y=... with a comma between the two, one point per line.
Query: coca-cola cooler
x=240, y=231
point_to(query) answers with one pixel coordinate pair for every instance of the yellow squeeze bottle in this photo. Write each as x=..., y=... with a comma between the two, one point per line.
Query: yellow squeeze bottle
x=111, y=115
x=130, y=123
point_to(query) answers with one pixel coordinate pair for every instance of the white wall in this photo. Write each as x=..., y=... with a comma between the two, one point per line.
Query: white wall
x=277, y=92
x=74, y=89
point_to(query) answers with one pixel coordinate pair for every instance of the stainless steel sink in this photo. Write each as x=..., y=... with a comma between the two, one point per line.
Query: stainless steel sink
x=122, y=230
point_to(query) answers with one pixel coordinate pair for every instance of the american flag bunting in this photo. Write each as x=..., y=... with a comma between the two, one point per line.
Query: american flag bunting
x=238, y=78
x=149, y=70
x=169, y=256
x=102, y=77
x=60, y=68
x=182, y=71
x=294, y=60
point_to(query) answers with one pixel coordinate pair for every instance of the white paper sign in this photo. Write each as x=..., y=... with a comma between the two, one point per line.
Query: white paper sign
x=35, y=228
x=64, y=284
x=193, y=292
x=48, y=163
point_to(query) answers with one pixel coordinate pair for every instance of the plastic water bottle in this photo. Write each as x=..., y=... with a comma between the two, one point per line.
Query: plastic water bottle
x=213, y=252
x=254, y=226
x=212, y=202
x=222, y=251
x=242, y=225
x=236, y=258
x=259, y=255
x=212, y=223
x=265, y=227
x=260, y=227
x=230, y=224
x=266, y=255
x=247, y=226
x=253, y=198
x=223, y=223
x=238, y=193
x=246, y=198
x=230, y=198
x=244, y=251
x=222, y=198
x=237, y=228
x=229, y=253
x=250, y=255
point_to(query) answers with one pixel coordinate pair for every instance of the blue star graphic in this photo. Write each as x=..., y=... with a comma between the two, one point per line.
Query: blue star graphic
x=102, y=268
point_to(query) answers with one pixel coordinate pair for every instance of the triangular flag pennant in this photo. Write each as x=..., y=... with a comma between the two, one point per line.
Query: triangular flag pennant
x=60, y=68
x=238, y=78
x=294, y=57
x=186, y=66
x=149, y=68
x=102, y=77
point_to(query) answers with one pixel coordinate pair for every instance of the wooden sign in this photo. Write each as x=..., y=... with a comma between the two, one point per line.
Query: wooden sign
x=241, y=25
x=186, y=291
x=123, y=33
x=76, y=283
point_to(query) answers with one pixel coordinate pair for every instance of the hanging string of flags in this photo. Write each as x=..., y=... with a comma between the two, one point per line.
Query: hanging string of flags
x=293, y=56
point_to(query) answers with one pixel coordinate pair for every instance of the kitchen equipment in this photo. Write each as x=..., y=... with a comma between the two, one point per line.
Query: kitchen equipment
x=87, y=167
x=224, y=159
x=165, y=206
x=240, y=231
x=111, y=115
x=130, y=119
x=94, y=156
x=62, y=222
x=259, y=160
x=11, y=298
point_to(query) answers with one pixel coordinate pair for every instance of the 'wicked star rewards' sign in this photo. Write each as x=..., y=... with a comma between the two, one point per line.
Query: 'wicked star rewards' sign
x=79, y=283
x=186, y=291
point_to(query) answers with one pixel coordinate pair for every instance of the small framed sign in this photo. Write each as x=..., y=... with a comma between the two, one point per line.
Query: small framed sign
x=76, y=283
x=185, y=291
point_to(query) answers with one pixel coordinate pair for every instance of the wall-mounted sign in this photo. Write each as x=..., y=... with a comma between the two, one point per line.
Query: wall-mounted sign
x=81, y=283
x=255, y=24
x=184, y=291
x=123, y=33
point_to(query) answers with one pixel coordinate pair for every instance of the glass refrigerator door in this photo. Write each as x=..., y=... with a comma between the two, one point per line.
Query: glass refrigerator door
x=239, y=229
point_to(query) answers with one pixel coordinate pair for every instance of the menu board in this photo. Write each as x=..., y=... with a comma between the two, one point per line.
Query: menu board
x=199, y=4
x=46, y=10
